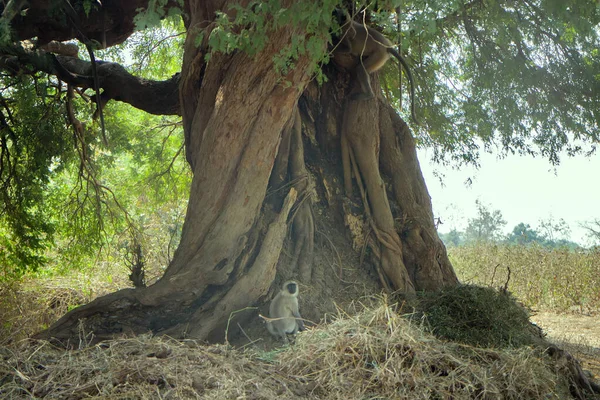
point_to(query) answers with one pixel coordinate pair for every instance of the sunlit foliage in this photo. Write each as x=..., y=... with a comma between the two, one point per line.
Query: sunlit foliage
x=70, y=200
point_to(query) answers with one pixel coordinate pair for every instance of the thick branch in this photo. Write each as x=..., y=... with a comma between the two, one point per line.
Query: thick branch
x=155, y=97
x=109, y=24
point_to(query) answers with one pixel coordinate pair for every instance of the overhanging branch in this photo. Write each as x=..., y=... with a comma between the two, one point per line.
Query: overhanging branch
x=155, y=97
x=107, y=22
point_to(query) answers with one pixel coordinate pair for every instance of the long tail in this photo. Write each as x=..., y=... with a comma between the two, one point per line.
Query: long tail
x=402, y=61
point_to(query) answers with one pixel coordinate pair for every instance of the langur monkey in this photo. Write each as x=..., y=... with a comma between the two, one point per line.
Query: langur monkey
x=373, y=50
x=284, y=314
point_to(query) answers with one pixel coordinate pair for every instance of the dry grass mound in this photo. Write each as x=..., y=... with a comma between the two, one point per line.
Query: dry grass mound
x=479, y=316
x=138, y=368
x=375, y=354
x=380, y=354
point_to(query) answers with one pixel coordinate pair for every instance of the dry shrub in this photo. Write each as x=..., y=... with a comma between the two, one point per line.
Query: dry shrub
x=548, y=279
x=31, y=305
x=26, y=309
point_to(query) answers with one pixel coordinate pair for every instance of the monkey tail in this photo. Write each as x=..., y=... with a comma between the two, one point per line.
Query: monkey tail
x=402, y=61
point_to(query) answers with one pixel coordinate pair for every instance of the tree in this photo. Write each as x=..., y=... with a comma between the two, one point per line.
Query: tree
x=486, y=226
x=452, y=238
x=249, y=107
x=593, y=230
x=554, y=231
x=524, y=234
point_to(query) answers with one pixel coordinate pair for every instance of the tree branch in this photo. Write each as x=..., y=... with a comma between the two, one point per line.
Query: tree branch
x=108, y=24
x=155, y=97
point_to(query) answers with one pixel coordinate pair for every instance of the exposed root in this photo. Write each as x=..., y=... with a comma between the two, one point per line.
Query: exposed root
x=580, y=385
x=345, y=148
x=290, y=171
x=303, y=228
x=360, y=149
x=303, y=232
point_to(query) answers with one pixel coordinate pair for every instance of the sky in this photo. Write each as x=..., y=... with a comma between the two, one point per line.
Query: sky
x=523, y=188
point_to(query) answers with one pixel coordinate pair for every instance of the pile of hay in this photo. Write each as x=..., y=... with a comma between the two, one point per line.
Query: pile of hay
x=137, y=368
x=380, y=354
x=375, y=354
x=479, y=316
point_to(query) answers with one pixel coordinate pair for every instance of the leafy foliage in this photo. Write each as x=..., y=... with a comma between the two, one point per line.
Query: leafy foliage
x=67, y=198
x=249, y=31
x=155, y=12
x=32, y=138
x=516, y=76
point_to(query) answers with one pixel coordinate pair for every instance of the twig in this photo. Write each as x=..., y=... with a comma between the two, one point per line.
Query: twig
x=494, y=274
x=231, y=316
x=507, y=280
x=251, y=342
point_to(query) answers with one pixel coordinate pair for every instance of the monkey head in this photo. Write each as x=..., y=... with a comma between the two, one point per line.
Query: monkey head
x=291, y=287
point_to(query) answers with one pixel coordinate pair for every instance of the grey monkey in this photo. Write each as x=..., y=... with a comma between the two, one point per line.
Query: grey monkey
x=283, y=312
x=373, y=49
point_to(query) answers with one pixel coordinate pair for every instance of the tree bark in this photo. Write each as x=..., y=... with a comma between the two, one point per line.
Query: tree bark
x=244, y=129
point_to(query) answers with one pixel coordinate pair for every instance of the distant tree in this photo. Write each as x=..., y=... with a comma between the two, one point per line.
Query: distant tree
x=486, y=226
x=593, y=230
x=562, y=243
x=550, y=234
x=553, y=230
x=453, y=238
x=524, y=234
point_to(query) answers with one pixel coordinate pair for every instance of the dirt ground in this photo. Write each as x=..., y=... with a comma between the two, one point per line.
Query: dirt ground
x=577, y=333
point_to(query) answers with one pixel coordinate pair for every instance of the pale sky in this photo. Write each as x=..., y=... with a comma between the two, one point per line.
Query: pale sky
x=523, y=188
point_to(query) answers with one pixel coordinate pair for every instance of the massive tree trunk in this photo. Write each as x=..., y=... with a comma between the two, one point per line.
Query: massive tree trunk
x=245, y=138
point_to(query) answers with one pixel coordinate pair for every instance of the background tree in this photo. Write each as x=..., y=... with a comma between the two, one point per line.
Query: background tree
x=553, y=230
x=486, y=226
x=524, y=234
x=593, y=230
x=256, y=123
x=453, y=238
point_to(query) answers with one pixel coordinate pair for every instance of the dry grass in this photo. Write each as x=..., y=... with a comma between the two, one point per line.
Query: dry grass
x=545, y=279
x=375, y=354
x=138, y=368
x=30, y=305
x=379, y=354
x=24, y=310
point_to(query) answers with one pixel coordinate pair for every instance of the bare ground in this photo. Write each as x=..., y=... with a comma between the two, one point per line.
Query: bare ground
x=577, y=333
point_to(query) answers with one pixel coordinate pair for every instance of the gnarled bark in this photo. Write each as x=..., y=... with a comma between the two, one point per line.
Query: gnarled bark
x=243, y=129
x=290, y=167
x=423, y=253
